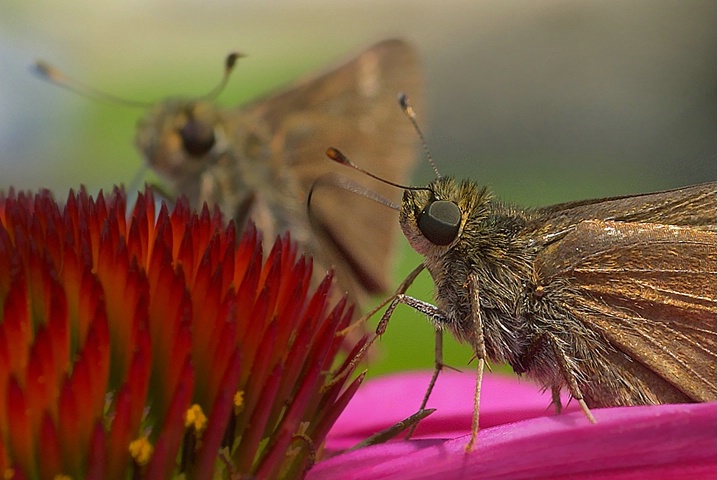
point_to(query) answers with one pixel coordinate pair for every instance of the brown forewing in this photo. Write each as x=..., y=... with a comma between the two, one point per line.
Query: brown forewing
x=353, y=106
x=694, y=206
x=645, y=284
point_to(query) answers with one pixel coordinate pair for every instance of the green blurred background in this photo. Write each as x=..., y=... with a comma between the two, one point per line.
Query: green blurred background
x=545, y=101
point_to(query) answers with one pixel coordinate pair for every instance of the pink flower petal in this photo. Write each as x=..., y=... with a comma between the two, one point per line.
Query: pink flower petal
x=384, y=401
x=655, y=442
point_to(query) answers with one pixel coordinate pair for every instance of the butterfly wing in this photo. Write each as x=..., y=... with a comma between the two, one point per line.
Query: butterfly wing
x=693, y=206
x=649, y=289
x=353, y=107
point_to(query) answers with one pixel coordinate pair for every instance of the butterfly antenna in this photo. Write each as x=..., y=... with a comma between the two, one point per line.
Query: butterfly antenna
x=229, y=64
x=338, y=157
x=55, y=76
x=411, y=114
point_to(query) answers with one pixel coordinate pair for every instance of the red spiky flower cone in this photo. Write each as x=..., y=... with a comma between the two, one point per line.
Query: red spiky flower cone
x=158, y=344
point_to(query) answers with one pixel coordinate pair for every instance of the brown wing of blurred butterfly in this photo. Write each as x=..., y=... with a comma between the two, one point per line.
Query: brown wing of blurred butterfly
x=259, y=161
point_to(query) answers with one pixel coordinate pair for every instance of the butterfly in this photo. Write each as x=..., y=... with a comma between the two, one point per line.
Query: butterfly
x=258, y=161
x=612, y=299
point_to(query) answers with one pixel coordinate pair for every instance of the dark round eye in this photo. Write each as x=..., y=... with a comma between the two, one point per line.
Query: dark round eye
x=440, y=221
x=197, y=137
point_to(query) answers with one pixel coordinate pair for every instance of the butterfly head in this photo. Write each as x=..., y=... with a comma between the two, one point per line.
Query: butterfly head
x=181, y=137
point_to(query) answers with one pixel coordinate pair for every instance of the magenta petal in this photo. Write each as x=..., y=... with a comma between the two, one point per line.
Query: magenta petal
x=384, y=401
x=655, y=442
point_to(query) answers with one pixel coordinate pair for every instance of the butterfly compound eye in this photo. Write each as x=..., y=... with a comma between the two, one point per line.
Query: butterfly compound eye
x=197, y=137
x=440, y=221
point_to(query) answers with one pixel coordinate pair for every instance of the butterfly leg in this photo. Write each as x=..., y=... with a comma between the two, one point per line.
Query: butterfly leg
x=479, y=349
x=438, y=318
x=437, y=368
x=555, y=399
x=400, y=290
x=158, y=190
x=567, y=372
x=535, y=350
x=380, y=329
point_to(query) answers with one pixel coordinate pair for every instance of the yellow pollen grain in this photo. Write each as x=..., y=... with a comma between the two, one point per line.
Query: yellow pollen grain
x=141, y=450
x=62, y=477
x=195, y=418
x=238, y=402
